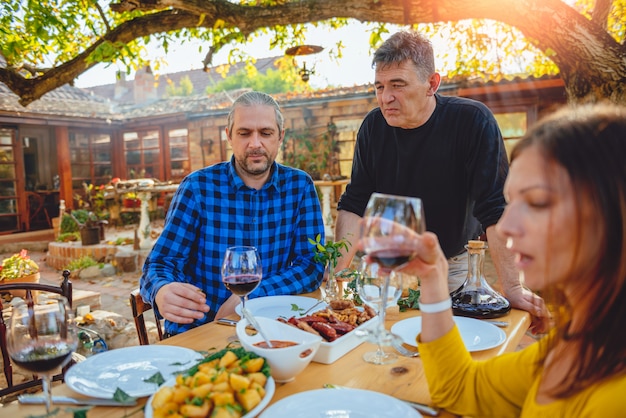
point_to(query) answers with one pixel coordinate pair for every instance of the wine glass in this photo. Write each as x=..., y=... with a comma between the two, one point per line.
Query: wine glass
x=42, y=338
x=391, y=225
x=379, y=290
x=241, y=271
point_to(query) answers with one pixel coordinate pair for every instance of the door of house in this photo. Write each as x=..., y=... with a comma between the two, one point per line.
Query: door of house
x=12, y=200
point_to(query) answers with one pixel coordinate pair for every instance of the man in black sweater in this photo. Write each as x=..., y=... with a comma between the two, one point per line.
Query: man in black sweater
x=448, y=151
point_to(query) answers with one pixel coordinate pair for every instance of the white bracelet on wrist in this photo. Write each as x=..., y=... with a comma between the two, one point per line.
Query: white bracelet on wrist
x=442, y=306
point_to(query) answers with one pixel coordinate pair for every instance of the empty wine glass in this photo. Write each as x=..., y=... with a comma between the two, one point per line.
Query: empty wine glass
x=241, y=271
x=42, y=338
x=379, y=291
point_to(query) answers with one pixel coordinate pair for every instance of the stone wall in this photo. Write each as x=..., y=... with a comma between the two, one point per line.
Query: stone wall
x=60, y=254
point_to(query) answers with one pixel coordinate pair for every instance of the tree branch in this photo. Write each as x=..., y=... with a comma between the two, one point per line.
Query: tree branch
x=573, y=42
x=600, y=14
x=31, y=89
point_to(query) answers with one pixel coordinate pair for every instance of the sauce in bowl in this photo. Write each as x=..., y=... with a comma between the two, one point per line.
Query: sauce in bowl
x=275, y=344
x=282, y=344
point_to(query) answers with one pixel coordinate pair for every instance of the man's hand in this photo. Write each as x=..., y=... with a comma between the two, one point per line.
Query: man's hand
x=181, y=303
x=228, y=307
x=348, y=228
x=518, y=295
x=522, y=298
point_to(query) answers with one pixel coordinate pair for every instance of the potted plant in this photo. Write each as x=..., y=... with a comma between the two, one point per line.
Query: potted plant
x=131, y=201
x=89, y=226
x=328, y=254
x=19, y=268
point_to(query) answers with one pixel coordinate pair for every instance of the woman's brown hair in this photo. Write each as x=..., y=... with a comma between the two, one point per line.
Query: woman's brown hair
x=589, y=142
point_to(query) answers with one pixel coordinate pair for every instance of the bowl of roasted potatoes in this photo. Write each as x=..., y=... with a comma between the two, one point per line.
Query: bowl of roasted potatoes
x=231, y=383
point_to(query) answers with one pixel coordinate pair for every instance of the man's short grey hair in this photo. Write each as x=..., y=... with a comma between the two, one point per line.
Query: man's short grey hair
x=407, y=45
x=254, y=98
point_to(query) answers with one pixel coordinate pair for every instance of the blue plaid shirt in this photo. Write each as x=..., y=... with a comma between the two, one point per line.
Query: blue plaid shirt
x=213, y=209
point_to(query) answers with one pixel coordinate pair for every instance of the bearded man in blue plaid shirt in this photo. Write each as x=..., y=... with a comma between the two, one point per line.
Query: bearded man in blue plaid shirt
x=251, y=200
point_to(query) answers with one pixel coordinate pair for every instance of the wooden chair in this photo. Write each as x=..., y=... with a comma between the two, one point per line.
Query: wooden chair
x=139, y=307
x=64, y=289
x=37, y=212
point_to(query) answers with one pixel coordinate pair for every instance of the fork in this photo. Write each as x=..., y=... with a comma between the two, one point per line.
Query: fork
x=312, y=307
x=38, y=399
x=400, y=348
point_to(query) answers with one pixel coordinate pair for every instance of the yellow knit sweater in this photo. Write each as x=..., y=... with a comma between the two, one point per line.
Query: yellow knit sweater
x=506, y=385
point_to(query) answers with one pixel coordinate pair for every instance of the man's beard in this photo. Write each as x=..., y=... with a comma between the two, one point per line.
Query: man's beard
x=255, y=168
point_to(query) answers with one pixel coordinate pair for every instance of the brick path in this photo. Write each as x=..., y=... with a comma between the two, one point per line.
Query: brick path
x=114, y=291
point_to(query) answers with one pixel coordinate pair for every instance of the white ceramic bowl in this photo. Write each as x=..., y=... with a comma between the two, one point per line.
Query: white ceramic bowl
x=285, y=363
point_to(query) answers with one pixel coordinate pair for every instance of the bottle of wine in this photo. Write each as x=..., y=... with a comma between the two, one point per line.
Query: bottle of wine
x=475, y=298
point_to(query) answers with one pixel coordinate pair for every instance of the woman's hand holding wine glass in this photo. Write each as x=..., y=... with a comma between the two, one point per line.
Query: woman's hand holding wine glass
x=391, y=225
x=42, y=338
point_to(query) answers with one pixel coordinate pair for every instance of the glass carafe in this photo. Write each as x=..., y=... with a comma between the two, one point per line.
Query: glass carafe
x=475, y=298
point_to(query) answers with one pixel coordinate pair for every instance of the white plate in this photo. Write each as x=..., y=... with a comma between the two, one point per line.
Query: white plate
x=126, y=368
x=284, y=306
x=339, y=403
x=270, y=388
x=476, y=334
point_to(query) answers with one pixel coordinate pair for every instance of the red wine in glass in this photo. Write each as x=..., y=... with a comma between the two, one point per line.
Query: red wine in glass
x=42, y=337
x=391, y=227
x=241, y=271
x=392, y=258
x=242, y=285
x=43, y=358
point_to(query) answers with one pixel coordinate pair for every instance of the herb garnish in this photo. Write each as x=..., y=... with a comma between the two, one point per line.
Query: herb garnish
x=330, y=252
x=410, y=302
x=296, y=308
x=80, y=412
x=121, y=396
x=156, y=378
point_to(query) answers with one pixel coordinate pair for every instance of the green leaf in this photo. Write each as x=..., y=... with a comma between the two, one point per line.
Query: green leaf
x=155, y=378
x=410, y=302
x=52, y=413
x=329, y=252
x=121, y=396
x=296, y=308
x=351, y=291
x=79, y=412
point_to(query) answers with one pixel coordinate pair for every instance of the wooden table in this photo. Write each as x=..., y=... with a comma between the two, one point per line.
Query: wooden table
x=403, y=379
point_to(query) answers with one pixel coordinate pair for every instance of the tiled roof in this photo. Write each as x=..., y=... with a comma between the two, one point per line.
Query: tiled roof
x=199, y=79
x=65, y=101
x=203, y=103
x=187, y=105
x=98, y=103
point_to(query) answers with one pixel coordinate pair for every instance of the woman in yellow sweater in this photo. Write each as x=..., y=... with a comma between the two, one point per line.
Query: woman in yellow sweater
x=565, y=222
